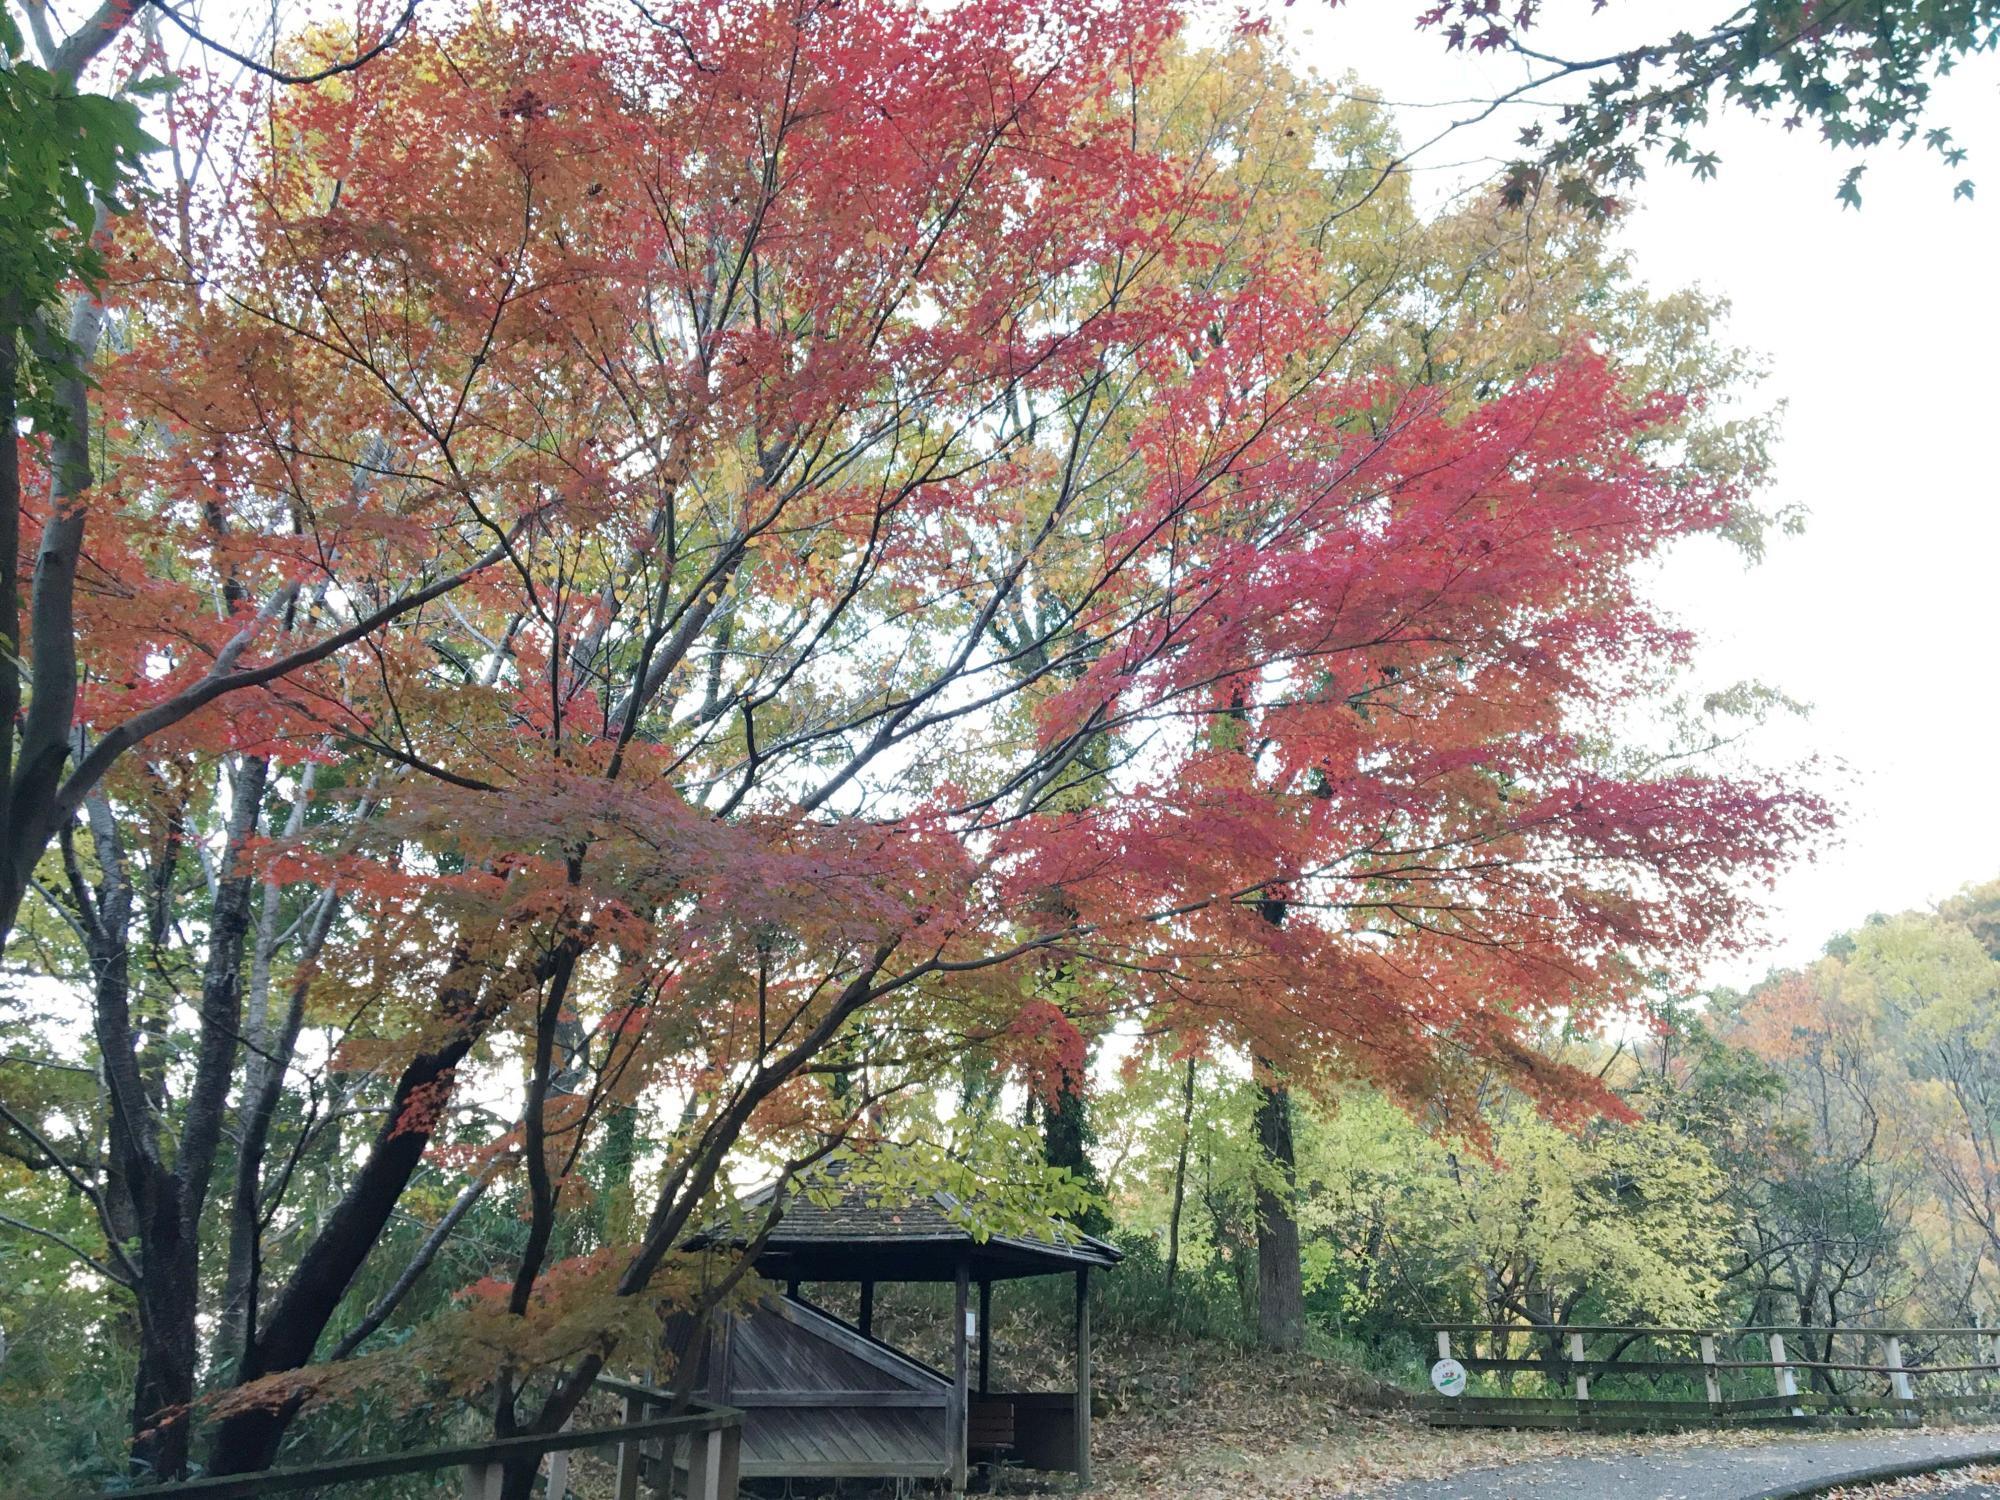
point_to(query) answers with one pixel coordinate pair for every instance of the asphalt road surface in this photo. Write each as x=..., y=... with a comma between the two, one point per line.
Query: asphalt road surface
x=1721, y=1473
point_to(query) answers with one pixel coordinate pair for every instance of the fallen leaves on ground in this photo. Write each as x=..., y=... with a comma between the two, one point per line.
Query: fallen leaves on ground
x=1951, y=1481
x=1198, y=1420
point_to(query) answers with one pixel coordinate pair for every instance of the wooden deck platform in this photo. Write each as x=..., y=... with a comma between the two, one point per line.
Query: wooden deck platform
x=823, y=1400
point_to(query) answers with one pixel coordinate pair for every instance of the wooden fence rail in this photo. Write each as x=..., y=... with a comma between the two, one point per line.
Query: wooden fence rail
x=1562, y=1355
x=714, y=1435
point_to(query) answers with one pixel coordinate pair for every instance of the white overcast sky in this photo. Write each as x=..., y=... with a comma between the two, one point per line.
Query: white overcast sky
x=1882, y=330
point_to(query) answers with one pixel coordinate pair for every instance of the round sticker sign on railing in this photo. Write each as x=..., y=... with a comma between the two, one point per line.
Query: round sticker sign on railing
x=1448, y=1376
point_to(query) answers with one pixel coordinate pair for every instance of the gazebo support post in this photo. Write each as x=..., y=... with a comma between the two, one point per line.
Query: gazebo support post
x=868, y=1309
x=985, y=1337
x=954, y=1427
x=1083, y=1376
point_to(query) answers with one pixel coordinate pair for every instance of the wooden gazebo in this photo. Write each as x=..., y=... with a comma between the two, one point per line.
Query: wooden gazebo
x=825, y=1398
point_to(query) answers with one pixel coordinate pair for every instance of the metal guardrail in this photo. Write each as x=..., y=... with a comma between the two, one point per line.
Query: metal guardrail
x=1571, y=1356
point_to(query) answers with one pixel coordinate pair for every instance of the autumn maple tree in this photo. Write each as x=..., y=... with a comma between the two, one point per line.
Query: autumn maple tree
x=875, y=546
x=1856, y=74
x=1877, y=1178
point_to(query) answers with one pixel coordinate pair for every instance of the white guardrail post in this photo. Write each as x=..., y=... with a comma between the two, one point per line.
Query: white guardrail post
x=1901, y=1387
x=1788, y=1378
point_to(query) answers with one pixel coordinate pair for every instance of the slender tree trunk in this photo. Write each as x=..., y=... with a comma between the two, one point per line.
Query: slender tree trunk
x=617, y=1152
x=142, y=1189
x=1066, y=1132
x=221, y=1007
x=1371, y=1257
x=27, y=822
x=427, y=1252
x=172, y=1201
x=1281, y=1296
x=268, y=1048
x=263, y=1088
x=27, y=784
x=1180, y=1178
x=544, y=1190
x=319, y=1282
x=144, y=1192
x=10, y=532
x=1281, y=1313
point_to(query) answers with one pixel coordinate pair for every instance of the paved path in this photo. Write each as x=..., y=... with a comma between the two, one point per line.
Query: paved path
x=1722, y=1473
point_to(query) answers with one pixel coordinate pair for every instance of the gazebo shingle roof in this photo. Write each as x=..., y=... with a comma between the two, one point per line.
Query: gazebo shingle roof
x=861, y=1233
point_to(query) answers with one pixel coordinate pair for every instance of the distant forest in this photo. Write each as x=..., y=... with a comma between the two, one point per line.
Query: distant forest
x=1822, y=1149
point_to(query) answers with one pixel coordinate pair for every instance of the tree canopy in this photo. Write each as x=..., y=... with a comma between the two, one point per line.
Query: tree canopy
x=633, y=590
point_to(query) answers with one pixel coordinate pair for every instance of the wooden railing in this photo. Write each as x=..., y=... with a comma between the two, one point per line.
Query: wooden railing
x=1743, y=1374
x=644, y=1447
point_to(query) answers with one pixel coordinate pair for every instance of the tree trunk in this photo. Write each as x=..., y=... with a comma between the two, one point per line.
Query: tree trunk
x=10, y=532
x=1281, y=1295
x=263, y=1088
x=286, y=1340
x=1281, y=1312
x=27, y=818
x=143, y=1192
x=163, y=1384
x=1066, y=1141
x=1180, y=1178
x=1066, y=1129
x=170, y=1201
x=618, y=1150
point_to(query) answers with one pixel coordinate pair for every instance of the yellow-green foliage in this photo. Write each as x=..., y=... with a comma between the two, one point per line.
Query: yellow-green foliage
x=1623, y=1219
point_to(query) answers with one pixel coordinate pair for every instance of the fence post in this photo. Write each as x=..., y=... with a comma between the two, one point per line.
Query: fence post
x=482, y=1482
x=1710, y=1377
x=729, y=1462
x=714, y=1463
x=1576, y=1359
x=665, y=1476
x=1985, y=1348
x=631, y=1455
x=1444, y=1344
x=711, y=1462
x=1900, y=1384
x=1788, y=1379
x=556, y=1486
